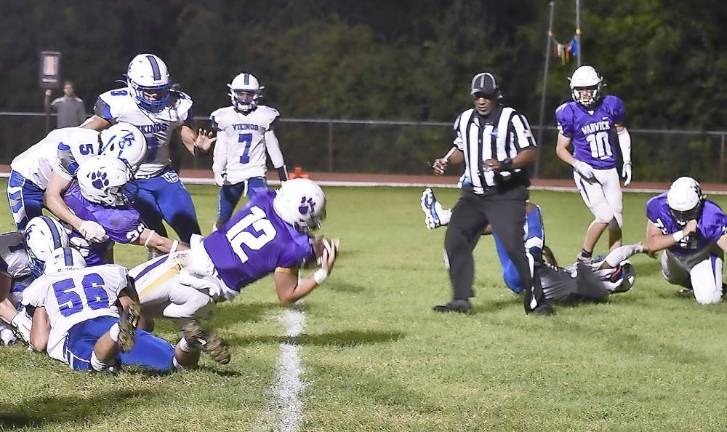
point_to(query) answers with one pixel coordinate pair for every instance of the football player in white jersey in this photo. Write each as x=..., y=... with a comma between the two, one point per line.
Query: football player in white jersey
x=32, y=169
x=244, y=133
x=22, y=258
x=86, y=317
x=123, y=141
x=149, y=103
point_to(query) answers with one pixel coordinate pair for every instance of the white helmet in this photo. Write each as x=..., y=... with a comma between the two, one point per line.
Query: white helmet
x=126, y=142
x=301, y=203
x=149, y=82
x=102, y=180
x=586, y=85
x=685, y=200
x=65, y=259
x=43, y=235
x=245, y=90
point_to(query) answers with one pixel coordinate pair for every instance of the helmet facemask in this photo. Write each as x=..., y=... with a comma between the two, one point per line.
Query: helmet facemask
x=587, y=96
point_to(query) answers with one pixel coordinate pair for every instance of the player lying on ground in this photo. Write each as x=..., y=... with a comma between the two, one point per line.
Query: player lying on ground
x=594, y=281
x=103, y=194
x=244, y=133
x=36, y=171
x=270, y=234
x=22, y=259
x=692, y=233
x=79, y=319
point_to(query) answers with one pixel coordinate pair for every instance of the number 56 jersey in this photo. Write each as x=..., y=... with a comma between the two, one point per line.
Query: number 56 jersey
x=75, y=296
x=255, y=242
x=240, y=148
x=593, y=134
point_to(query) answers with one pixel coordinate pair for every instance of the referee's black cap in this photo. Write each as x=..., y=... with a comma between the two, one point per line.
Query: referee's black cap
x=484, y=83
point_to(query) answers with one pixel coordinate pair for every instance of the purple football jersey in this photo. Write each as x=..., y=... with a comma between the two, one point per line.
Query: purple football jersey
x=122, y=224
x=254, y=242
x=712, y=224
x=593, y=136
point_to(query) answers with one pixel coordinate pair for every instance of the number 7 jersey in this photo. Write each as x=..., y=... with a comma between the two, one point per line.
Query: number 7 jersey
x=75, y=296
x=593, y=134
x=240, y=148
x=255, y=242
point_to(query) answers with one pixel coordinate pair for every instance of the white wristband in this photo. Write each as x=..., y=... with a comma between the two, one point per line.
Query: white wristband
x=174, y=247
x=148, y=239
x=677, y=236
x=320, y=275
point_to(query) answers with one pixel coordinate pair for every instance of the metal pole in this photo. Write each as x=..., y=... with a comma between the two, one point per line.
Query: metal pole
x=548, y=38
x=721, y=160
x=578, y=33
x=330, y=147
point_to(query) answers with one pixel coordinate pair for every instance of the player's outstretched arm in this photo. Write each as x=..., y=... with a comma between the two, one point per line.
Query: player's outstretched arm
x=197, y=142
x=149, y=238
x=40, y=330
x=96, y=123
x=291, y=289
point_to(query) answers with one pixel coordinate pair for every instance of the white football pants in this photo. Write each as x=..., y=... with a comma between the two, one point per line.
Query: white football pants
x=702, y=272
x=603, y=196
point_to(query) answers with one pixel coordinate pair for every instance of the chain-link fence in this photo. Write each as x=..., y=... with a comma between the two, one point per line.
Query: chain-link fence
x=400, y=147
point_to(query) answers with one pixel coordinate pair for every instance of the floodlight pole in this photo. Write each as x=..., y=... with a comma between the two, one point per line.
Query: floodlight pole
x=579, y=56
x=548, y=40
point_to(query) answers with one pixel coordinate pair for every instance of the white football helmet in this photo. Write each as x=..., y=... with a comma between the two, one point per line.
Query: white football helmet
x=65, y=259
x=102, y=180
x=149, y=82
x=43, y=235
x=126, y=142
x=685, y=200
x=301, y=203
x=245, y=90
x=586, y=85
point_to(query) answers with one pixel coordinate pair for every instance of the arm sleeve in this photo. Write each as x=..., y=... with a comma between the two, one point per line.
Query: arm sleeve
x=618, y=110
x=458, y=141
x=271, y=143
x=103, y=110
x=67, y=165
x=219, y=156
x=564, y=121
x=523, y=135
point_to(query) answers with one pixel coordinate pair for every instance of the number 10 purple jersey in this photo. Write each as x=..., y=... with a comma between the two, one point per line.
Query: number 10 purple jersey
x=254, y=242
x=593, y=135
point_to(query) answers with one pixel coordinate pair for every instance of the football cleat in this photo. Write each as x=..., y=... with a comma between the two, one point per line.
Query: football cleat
x=584, y=259
x=431, y=209
x=127, y=326
x=455, y=306
x=197, y=337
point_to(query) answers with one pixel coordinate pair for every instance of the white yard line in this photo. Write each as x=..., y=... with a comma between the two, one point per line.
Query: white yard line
x=289, y=382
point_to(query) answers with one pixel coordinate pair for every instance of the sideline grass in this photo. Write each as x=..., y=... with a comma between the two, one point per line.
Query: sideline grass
x=377, y=359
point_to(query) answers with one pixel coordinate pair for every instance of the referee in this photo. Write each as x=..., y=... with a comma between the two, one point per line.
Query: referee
x=496, y=145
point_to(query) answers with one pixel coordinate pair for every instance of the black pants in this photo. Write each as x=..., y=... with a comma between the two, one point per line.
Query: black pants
x=559, y=286
x=505, y=211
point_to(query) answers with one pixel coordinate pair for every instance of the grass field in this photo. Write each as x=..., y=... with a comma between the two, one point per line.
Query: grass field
x=376, y=358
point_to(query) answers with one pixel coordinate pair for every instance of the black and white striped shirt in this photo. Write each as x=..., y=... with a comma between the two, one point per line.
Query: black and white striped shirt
x=500, y=135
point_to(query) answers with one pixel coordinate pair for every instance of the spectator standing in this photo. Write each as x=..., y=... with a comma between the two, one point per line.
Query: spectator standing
x=70, y=108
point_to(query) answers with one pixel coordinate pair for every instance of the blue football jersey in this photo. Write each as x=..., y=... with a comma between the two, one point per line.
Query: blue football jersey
x=593, y=134
x=712, y=224
x=255, y=242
